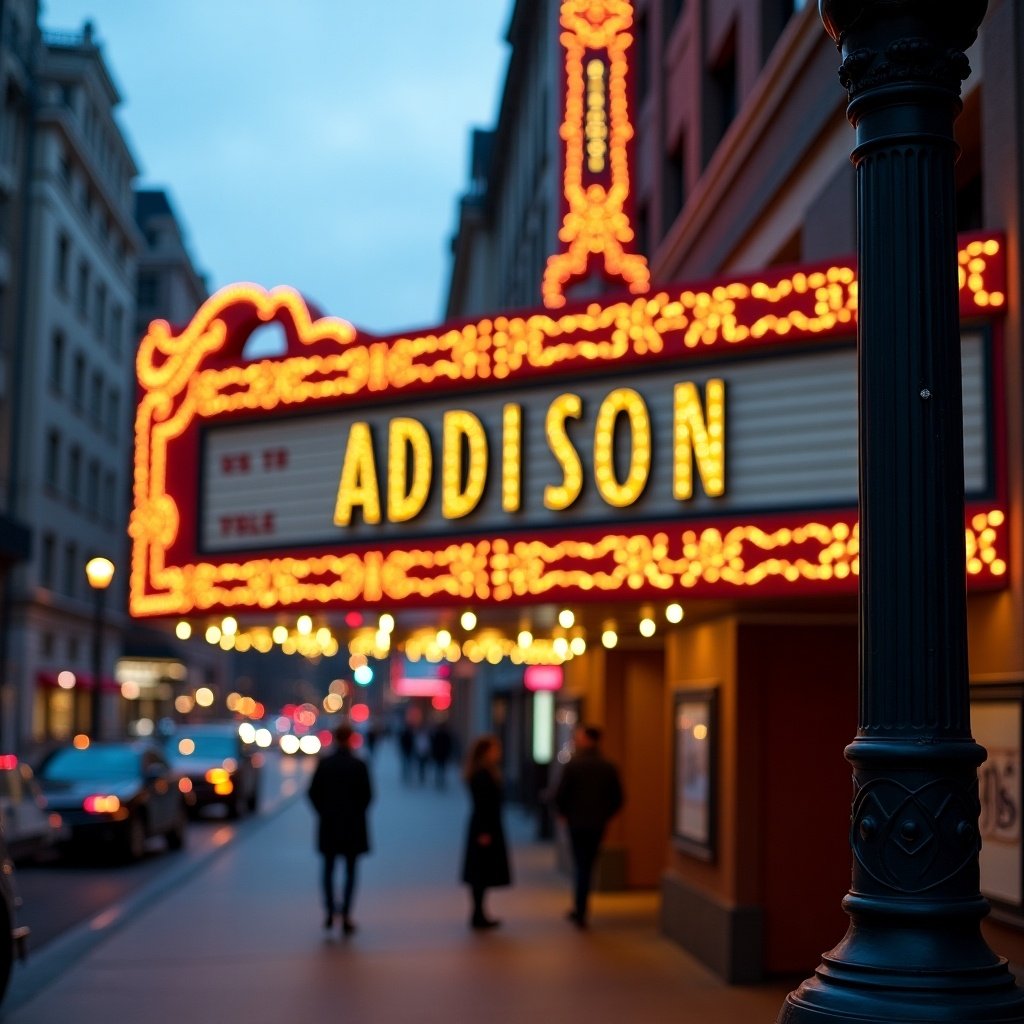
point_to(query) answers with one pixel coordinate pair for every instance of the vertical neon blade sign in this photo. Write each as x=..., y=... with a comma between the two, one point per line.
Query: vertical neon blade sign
x=596, y=132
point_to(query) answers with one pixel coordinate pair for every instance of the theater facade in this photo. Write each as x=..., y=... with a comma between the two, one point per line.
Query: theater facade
x=645, y=477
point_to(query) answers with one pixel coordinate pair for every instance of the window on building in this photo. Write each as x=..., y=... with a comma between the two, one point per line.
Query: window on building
x=75, y=474
x=116, y=328
x=71, y=573
x=48, y=560
x=83, y=287
x=107, y=497
x=643, y=58
x=78, y=381
x=51, y=459
x=670, y=14
x=113, y=413
x=57, y=353
x=775, y=15
x=720, y=97
x=63, y=260
x=92, y=488
x=96, y=399
x=99, y=311
x=148, y=289
x=47, y=644
x=673, y=185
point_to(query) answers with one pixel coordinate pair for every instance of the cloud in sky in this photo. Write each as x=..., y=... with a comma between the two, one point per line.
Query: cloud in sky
x=321, y=144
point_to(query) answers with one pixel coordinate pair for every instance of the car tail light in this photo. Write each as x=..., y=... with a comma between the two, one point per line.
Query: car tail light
x=56, y=821
x=224, y=788
x=8, y=762
x=218, y=776
x=101, y=803
x=185, y=785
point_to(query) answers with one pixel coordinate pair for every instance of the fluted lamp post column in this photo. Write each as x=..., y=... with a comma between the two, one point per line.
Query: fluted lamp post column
x=914, y=949
x=99, y=572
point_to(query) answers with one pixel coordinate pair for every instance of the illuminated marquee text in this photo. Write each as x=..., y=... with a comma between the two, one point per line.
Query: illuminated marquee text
x=465, y=456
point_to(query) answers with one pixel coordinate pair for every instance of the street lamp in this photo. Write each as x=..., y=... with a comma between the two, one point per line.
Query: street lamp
x=99, y=572
x=914, y=949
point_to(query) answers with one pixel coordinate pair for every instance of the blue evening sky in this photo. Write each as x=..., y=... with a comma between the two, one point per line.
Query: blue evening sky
x=318, y=143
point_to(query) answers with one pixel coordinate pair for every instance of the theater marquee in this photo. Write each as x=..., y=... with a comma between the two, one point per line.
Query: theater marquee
x=698, y=440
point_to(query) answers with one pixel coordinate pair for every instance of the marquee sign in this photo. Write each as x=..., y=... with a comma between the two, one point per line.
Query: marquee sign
x=700, y=440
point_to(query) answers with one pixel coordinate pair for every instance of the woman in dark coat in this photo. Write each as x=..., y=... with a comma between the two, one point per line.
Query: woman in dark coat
x=341, y=792
x=486, y=860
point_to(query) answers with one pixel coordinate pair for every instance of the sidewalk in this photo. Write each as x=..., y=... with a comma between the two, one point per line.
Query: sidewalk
x=243, y=940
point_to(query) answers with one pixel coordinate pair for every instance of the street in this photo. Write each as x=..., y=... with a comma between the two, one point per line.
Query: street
x=61, y=893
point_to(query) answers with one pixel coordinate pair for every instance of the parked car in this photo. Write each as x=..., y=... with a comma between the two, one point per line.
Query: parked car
x=13, y=937
x=30, y=827
x=215, y=767
x=115, y=794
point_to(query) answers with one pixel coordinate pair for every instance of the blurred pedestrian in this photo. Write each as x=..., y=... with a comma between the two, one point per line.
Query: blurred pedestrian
x=485, y=864
x=442, y=746
x=588, y=796
x=341, y=793
x=406, y=749
x=421, y=747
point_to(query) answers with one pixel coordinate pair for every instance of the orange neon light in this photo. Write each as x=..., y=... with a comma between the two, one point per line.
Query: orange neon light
x=198, y=376
x=596, y=39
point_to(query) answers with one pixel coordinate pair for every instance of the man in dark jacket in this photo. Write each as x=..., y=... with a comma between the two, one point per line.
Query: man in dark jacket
x=589, y=794
x=341, y=792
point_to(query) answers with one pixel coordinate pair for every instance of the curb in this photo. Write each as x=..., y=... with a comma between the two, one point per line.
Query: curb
x=44, y=968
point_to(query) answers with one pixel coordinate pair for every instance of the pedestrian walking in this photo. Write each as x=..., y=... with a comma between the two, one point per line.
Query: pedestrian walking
x=485, y=864
x=442, y=746
x=341, y=792
x=588, y=796
x=421, y=747
x=406, y=751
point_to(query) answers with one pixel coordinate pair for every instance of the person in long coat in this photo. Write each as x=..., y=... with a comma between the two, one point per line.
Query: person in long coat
x=485, y=864
x=341, y=792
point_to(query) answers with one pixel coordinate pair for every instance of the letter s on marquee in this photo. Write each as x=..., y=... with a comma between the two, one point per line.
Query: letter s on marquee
x=564, y=407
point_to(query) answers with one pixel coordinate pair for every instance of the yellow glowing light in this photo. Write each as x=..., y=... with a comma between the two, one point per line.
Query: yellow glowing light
x=468, y=621
x=304, y=625
x=183, y=704
x=700, y=731
x=279, y=634
x=699, y=437
x=358, y=483
x=525, y=638
x=231, y=701
x=406, y=498
x=560, y=646
x=511, y=456
x=130, y=690
x=674, y=613
x=596, y=130
x=386, y=624
x=563, y=495
x=462, y=487
x=647, y=627
x=213, y=634
x=618, y=493
x=186, y=747
x=229, y=625
x=444, y=638
x=333, y=703
x=609, y=638
x=183, y=630
x=566, y=618
x=578, y=645
x=204, y=697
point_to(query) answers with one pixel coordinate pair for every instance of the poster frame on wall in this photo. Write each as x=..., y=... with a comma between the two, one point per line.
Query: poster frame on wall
x=1001, y=796
x=694, y=775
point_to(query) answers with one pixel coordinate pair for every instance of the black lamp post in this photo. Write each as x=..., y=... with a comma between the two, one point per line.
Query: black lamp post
x=914, y=949
x=99, y=572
